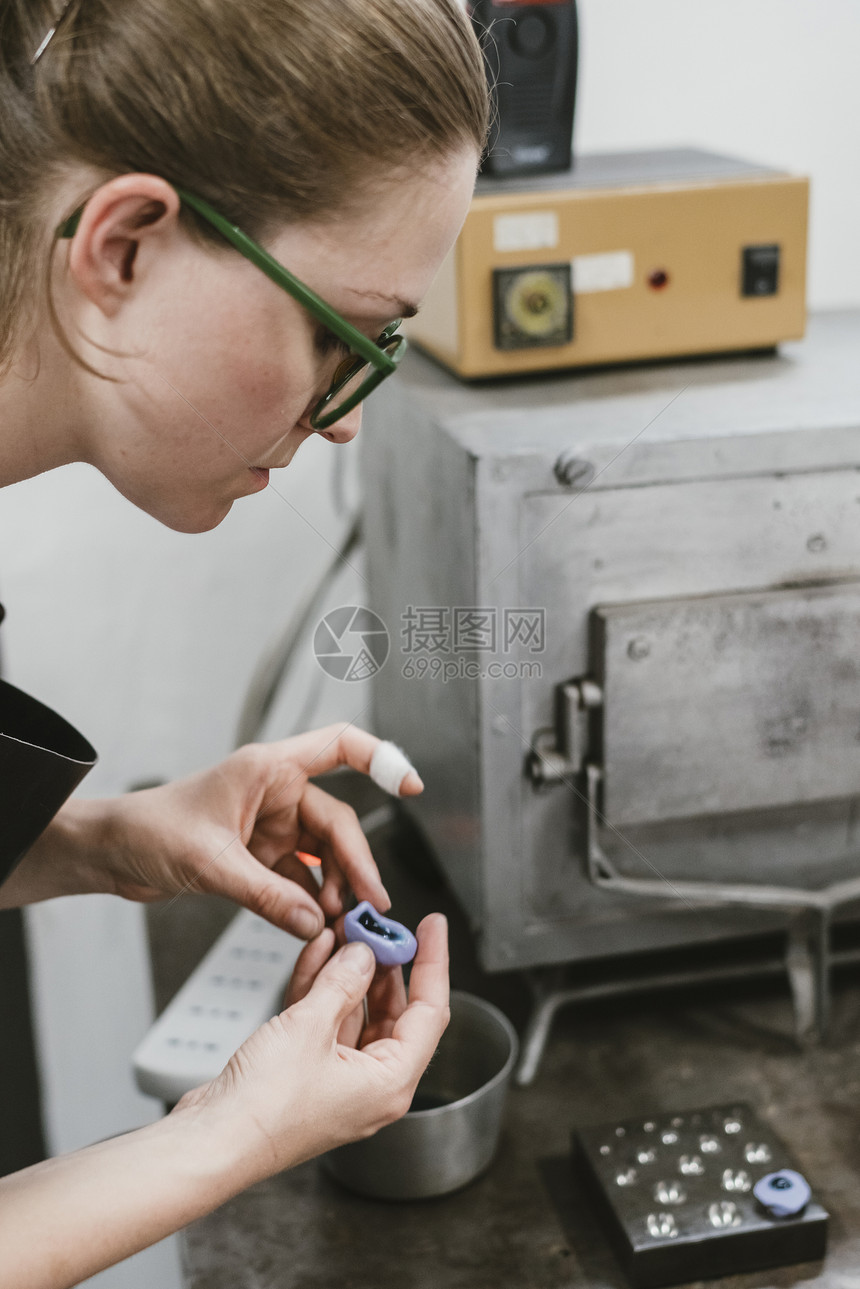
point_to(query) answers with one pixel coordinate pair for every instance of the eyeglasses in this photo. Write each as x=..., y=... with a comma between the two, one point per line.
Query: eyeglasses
x=365, y=366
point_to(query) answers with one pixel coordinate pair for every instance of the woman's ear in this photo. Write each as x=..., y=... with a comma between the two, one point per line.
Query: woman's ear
x=121, y=217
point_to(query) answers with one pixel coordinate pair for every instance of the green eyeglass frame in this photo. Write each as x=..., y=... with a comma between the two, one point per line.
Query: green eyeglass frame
x=382, y=355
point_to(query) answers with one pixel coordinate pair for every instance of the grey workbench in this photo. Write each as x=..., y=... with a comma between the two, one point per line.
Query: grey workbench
x=527, y=1224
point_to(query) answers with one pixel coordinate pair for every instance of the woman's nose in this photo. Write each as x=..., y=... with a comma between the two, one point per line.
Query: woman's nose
x=345, y=429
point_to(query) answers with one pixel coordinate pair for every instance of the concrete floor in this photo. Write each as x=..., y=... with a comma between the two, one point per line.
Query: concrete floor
x=527, y=1222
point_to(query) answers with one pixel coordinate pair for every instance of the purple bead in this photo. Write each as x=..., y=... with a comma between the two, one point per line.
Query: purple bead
x=392, y=944
x=783, y=1194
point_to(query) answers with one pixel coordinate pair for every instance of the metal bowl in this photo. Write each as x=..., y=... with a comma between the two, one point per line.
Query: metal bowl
x=450, y=1134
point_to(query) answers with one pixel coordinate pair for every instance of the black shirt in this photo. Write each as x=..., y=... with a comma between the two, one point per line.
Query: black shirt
x=42, y=760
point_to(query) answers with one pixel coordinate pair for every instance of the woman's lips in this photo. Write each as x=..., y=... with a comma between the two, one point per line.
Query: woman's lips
x=261, y=476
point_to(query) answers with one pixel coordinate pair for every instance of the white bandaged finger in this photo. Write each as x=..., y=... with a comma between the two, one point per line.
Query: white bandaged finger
x=389, y=766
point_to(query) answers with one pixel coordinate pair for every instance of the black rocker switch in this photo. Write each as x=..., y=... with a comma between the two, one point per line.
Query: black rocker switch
x=760, y=270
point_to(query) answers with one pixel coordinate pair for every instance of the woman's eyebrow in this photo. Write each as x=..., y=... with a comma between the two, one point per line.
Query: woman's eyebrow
x=403, y=307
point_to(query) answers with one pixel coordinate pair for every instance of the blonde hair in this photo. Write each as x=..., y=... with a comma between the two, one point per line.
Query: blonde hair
x=272, y=110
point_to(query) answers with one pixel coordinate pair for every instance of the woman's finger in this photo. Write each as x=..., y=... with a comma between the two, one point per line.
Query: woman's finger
x=350, y=1031
x=240, y=877
x=428, y=981
x=333, y=891
x=340, y=985
x=386, y=999
x=418, y=1030
x=309, y=964
x=336, y=824
x=386, y=1003
x=319, y=751
x=291, y=868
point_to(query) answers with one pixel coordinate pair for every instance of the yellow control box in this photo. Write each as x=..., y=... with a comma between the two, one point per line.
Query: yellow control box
x=628, y=256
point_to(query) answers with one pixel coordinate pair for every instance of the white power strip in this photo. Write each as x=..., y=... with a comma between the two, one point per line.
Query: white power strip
x=236, y=988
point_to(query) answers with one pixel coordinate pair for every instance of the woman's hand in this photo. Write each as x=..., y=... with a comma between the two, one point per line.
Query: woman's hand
x=293, y=1090
x=233, y=830
x=317, y=1075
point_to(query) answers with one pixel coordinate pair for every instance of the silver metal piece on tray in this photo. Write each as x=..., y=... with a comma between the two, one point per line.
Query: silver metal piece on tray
x=670, y=1193
x=739, y=1180
x=661, y=1225
x=724, y=1213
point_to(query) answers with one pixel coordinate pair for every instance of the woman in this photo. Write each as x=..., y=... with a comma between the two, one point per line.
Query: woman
x=143, y=334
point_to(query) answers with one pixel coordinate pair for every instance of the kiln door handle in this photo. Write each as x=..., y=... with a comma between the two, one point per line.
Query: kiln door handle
x=562, y=751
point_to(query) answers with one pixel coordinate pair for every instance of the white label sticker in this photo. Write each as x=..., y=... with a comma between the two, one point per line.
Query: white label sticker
x=535, y=231
x=608, y=271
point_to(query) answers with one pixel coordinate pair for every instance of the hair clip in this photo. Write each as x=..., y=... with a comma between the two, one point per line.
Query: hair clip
x=50, y=35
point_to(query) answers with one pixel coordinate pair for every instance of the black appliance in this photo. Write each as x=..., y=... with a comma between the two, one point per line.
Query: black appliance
x=531, y=53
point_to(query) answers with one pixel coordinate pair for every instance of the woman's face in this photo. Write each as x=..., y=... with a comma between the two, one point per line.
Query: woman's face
x=220, y=368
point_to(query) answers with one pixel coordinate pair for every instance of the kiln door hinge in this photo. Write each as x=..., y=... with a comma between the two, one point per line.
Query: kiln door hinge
x=562, y=750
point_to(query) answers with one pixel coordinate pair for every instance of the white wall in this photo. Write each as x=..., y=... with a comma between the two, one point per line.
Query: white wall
x=143, y=637
x=771, y=80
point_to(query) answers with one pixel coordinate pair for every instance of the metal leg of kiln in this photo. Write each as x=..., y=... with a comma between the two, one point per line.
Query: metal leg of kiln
x=548, y=997
x=807, y=956
x=807, y=961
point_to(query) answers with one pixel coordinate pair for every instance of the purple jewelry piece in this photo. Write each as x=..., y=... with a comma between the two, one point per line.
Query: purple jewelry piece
x=783, y=1194
x=392, y=944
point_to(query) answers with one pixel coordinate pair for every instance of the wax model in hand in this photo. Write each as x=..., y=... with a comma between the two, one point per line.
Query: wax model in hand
x=392, y=944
